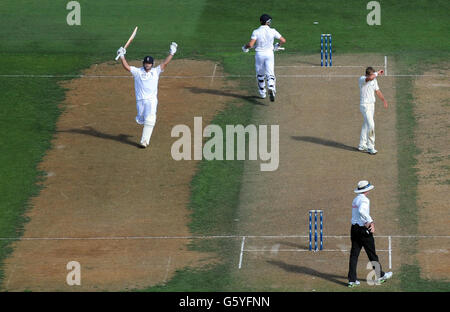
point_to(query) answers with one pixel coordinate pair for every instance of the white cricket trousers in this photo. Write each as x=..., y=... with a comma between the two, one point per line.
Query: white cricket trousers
x=264, y=64
x=367, y=138
x=146, y=115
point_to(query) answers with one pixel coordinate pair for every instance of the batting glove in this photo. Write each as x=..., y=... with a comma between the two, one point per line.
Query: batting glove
x=276, y=47
x=173, y=48
x=121, y=51
x=244, y=49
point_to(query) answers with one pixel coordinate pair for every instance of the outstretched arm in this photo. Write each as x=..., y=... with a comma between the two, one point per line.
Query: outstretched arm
x=380, y=95
x=124, y=63
x=166, y=61
x=173, y=50
x=121, y=54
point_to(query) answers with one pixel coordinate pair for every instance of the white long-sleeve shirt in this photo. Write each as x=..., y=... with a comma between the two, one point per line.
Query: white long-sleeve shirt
x=367, y=90
x=361, y=210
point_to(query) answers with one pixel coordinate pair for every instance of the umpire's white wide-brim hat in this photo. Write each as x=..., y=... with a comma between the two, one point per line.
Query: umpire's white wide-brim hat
x=363, y=186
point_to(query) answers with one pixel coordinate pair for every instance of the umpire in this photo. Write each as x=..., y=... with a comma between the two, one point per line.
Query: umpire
x=362, y=234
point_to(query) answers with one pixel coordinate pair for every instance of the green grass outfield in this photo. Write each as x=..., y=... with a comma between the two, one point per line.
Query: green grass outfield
x=35, y=39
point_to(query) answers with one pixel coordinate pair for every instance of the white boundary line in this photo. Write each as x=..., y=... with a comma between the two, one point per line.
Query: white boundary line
x=242, y=253
x=205, y=237
x=206, y=76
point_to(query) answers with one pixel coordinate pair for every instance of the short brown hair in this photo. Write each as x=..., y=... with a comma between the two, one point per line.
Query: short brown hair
x=370, y=70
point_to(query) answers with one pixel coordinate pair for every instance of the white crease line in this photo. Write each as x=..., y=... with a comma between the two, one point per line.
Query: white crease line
x=390, y=253
x=167, y=269
x=305, y=250
x=208, y=237
x=206, y=77
x=10, y=275
x=276, y=236
x=213, y=74
x=242, y=253
x=120, y=237
x=65, y=196
x=349, y=76
x=415, y=236
x=340, y=66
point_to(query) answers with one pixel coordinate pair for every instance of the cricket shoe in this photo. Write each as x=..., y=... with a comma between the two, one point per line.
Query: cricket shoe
x=384, y=278
x=372, y=151
x=362, y=149
x=272, y=95
x=263, y=96
x=143, y=145
x=353, y=284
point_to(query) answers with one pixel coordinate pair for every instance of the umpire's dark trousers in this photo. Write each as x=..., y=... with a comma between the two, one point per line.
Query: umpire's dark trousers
x=361, y=237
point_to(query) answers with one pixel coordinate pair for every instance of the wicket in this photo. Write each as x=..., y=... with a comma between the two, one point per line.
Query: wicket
x=315, y=229
x=328, y=50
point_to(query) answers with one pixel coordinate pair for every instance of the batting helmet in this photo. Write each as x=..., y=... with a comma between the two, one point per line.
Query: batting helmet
x=265, y=19
x=148, y=60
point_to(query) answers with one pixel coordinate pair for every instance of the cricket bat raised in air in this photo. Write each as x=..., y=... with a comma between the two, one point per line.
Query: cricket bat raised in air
x=129, y=41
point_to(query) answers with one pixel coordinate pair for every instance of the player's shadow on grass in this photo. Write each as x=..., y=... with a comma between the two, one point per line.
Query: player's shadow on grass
x=291, y=268
x=325, y=142
x=249, y=98
x=122, y=138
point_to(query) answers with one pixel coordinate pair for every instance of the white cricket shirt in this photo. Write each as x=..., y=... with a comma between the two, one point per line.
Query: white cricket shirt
x=146, y=83
x=361, y=210
x=264, y=36
x=367, y=90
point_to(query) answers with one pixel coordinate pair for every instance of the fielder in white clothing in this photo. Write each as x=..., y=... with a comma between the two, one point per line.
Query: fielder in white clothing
x=262, y=39
x=368, y=86
x=146, y=88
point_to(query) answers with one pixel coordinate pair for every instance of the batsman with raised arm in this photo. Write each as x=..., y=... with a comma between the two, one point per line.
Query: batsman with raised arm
x=146, y=88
